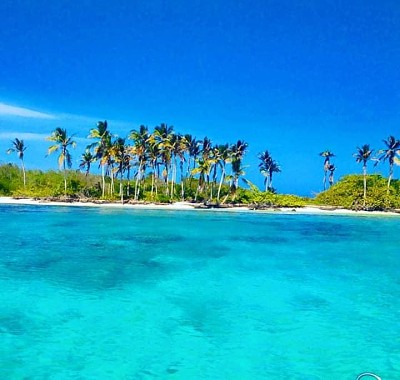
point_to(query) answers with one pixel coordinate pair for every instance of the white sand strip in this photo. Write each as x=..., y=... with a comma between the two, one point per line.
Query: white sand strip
x=309, y=210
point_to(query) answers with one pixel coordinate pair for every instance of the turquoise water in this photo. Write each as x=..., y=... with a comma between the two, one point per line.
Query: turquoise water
x=93, y=293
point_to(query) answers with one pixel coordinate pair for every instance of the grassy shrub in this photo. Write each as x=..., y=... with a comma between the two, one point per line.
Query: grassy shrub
x=11, y=178
x=349, y=193
x=262, y=199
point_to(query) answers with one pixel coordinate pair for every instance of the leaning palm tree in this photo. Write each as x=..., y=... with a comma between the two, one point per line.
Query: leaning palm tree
x=392, y=148
x=363, y=155
x=19, y=147
x=62, y=143
x=327, y=154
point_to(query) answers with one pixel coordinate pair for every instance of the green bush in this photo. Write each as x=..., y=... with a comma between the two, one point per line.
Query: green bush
x=349, y=193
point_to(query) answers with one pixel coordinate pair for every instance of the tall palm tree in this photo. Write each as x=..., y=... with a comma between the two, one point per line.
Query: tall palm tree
x=392, y=148
x=238, y=151
x=103, y=144
x=153, y=155
x=180, y=152
x=224, y=157
x=140, y=140
x=327, y=154
x=62, y=143
x=19, y=147
x=363, y=155
x=177, y=150
x=120, y=151
x=163, y=135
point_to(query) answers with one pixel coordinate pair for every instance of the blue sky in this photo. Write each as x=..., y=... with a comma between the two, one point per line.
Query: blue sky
x=291, y=77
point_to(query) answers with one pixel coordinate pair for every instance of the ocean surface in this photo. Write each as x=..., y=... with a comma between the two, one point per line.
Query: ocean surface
x=96, y=293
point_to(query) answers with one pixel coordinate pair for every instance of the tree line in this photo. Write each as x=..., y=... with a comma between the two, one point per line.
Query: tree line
x=171, y=160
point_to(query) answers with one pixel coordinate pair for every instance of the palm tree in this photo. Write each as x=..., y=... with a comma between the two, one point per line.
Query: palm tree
x=193, y=148
x=62, y=143
x=327, y=154
x=86, y=161
x=180, y=151
x=203, y=168
x=264, y=165
x=19, y=147
x=331, y=169
x=223, y=158
x=273, y=168
x=177, y=150
x=120, y=151
x=153, y=155
x=363, y=155
x=103, y=136
x=163, y=135
x=237, y=153
x=392, y=148
x=140, y=147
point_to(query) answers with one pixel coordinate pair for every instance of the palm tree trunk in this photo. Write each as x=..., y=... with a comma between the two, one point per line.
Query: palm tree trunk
x=220, y=183
x=137, y=181
x=188, y=167
x=121, y=189
x=173, y=178
x=112, y=189
x=365, y=184
x=153, y=175
x=23, y=171
x=182, y=180
x=103, y=180
x=128, y=174
x=65, y=176
x=390, y=178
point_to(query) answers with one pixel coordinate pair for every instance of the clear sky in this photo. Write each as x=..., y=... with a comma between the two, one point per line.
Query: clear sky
x=292, y=77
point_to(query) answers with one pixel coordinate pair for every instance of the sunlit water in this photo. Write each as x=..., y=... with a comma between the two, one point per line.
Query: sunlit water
x=92, y=293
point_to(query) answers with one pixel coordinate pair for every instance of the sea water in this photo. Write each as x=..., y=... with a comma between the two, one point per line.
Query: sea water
x=97, y=293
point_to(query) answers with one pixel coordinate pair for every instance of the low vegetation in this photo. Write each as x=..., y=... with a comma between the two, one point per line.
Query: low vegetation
x=349, y=193
x=50, y=184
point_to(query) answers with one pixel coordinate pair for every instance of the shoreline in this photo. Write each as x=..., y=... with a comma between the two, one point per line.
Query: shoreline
x=187, y=206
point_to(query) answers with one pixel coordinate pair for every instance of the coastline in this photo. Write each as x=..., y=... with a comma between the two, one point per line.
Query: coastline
x=181, y=206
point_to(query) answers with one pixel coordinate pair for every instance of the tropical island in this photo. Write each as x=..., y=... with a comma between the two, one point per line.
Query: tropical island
x=163, y=167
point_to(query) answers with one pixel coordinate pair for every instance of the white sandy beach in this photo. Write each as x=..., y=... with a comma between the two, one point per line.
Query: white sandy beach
x=190, y=206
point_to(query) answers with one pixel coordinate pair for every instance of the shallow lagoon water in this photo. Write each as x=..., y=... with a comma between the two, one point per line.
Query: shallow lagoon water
x=97, y=293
